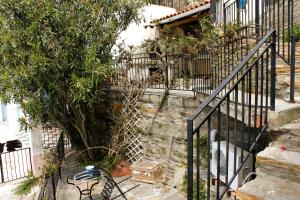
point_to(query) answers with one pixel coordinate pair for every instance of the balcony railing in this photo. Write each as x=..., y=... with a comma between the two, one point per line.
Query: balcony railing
x=173, y=71
x=177, y=4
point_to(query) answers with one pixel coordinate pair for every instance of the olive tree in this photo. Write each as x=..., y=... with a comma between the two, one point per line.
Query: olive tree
x=54, y=57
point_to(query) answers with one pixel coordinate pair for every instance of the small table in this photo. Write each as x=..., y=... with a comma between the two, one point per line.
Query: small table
x=90, y=178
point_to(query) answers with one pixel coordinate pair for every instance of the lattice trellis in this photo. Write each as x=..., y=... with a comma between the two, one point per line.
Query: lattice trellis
x=131, y=124
x=132, y=128
x=50, y=136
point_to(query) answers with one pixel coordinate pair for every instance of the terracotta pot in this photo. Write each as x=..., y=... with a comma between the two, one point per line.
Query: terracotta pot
x=122, y=169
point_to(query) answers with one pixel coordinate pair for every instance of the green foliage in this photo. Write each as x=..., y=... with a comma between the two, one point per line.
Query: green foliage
x=160, y=125
x=110, y=162
x=176, y=41
x=204, y=149
x=50, y=163
x=173, y=41
x=25, y=187
x=184, y=188
x=210, y=33
x=295, y=31
x=232, y=31
x=55, y=55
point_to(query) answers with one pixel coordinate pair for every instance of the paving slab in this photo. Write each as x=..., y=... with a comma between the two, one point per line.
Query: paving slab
x=143, y=192
x=7, y=191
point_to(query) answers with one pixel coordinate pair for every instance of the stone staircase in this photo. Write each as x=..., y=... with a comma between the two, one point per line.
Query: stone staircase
x=283, y=76
x=278, y=168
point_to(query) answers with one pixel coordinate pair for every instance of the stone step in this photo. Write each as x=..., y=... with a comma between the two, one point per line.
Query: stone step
x=283, y=80
x=283, y=90
x=285, y=69
x=278, y=161
x=284, y=113
x=287, y=136
x=269, y=188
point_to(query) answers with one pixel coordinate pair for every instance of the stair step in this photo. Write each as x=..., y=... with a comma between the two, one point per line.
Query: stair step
x=286, y=71
x=269, y=188
x=287, y=136
x=278, y=162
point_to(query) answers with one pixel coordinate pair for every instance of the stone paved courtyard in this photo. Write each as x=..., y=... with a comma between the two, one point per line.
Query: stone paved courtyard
x=7, y=191
x=142, y=192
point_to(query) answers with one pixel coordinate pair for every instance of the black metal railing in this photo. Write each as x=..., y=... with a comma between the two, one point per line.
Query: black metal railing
x=49, y=186
x=51, y=136
x=233, y=119
x=201, y=72
x=230, y=53
x=15, y=165
x=176, y=72
x=177, y=4
x=265, y=15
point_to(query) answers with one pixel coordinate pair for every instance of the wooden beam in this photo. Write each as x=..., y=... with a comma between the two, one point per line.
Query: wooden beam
x=183, y=21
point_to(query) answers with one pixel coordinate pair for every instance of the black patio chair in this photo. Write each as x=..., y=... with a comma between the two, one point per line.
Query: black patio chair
x=110, y=185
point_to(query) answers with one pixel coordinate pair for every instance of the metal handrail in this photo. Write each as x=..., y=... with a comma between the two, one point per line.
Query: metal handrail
x=234, y=73
x=241, y=74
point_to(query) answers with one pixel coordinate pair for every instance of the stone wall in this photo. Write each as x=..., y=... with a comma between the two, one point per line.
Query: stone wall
x=169, y=123
x=166, y=116
x=297, y=11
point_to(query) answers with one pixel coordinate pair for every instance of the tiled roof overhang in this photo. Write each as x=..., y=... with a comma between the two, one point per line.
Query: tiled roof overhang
x=186, y=12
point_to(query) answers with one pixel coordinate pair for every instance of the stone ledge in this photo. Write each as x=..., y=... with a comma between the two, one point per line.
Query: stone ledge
x=245, y=196
x=269, y=188
x=276, y=155
x=280, y=163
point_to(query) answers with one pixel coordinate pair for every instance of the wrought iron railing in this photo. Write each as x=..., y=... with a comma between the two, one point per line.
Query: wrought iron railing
x=177, y=4
x=200, y=72
x=176, y=72
x=265, y=15
x=15, y=165
x=49, y=186
x=233, y=118
x=232, y=50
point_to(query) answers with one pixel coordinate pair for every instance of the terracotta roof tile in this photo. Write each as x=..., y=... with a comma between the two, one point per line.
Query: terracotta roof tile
x=190, y=7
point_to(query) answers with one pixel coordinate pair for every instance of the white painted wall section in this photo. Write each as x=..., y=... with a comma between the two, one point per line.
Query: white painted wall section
x=137, y=33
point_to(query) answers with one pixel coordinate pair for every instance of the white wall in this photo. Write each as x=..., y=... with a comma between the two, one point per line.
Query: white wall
x=136, y=34
x=10, y=128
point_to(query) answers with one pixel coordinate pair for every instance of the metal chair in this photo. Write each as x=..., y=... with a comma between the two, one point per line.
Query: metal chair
x=111, y=184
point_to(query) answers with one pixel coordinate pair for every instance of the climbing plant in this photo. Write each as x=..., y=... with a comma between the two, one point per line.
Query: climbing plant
x=173, y=40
